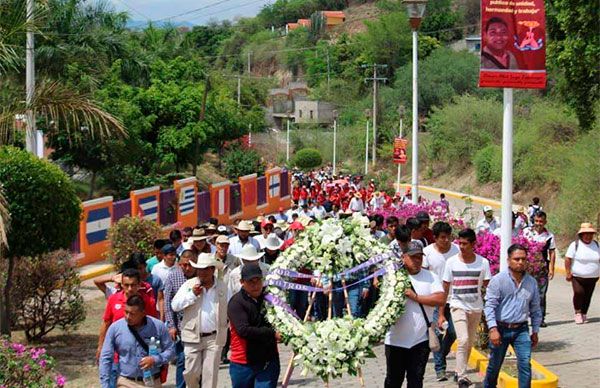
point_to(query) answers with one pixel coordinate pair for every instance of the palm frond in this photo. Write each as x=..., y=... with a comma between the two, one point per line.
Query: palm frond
x=64, y=109
x=4, y=220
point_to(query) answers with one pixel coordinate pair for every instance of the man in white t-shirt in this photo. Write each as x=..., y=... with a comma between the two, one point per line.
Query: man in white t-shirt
x=434, y=259
x=538, y=233
x=464, y=276
x=582, y=263
x=488, y=223
x=406, y=342
x=164, y=268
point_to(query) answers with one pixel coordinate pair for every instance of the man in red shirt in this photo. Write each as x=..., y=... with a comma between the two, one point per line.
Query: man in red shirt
x=115, y=306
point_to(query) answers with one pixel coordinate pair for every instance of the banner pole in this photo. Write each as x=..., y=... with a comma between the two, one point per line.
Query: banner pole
x=507, y=178
x=399, y=165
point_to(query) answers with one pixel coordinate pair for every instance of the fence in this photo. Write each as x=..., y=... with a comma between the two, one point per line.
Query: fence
x=181, y=206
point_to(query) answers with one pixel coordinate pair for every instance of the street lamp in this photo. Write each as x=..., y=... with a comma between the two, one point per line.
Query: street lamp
x=368, y=114
x=416, y=10
x=287, y=141
x=335, y=116
x=401, y=110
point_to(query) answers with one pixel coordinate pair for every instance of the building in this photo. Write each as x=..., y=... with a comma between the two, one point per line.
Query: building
x=333, y=18
x=313, y=112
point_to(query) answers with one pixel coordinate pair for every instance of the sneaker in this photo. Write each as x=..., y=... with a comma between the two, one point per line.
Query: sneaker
x=441, y=376
x=584, y=318
x=464, y=382
x=578, y=318
x=543, y=324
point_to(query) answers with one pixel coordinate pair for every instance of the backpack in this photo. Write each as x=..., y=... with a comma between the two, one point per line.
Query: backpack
x=536, y=209
x=577, y=246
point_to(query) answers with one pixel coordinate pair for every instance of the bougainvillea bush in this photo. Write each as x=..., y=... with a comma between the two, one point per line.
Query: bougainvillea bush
x=27, y=367
x=434, y=209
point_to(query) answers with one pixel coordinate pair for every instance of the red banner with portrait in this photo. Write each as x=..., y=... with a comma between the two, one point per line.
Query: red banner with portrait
x=399, y=156
x=513, y=44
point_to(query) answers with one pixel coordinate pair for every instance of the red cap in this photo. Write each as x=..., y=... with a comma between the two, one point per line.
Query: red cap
x=265, y=222
x=296, y=225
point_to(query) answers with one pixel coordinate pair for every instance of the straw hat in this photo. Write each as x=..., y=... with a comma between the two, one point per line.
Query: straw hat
x=198, y=235
x=245, y=226
x=358, y=195
x=586, y=227
x=206, y=260
x=249, y=253
x=281, y=224
x=222, y=240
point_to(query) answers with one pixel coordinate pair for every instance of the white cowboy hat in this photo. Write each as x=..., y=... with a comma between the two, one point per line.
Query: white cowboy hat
x=206, y=260
x=198, y=235
x=281, y=224
x=273, y=243
x=249, y=253
x=245, y=226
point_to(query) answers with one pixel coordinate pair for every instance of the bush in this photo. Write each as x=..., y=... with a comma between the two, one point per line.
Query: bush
x=42, y=201
x=240, y=162
x=27, y=367
x=308, y=158
x=488, y=164
x=46, y=294
x=129, y=235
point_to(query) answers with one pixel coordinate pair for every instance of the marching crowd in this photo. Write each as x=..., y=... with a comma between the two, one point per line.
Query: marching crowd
x=199, y=301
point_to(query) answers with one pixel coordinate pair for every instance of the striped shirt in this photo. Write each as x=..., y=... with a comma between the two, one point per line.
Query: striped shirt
x=174, y=282
x=466, y=281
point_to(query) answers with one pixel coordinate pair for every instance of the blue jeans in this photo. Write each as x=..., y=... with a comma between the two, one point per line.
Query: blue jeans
x=446, y=340
x=179, y=381
x=354, y=297
x=521, y=343
x=254, y=376
x=114, y=374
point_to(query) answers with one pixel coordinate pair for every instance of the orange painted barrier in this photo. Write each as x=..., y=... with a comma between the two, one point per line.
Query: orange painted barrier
x=219, y=202
x=93, y=228
x=249, y=195
x=273, y=177
x=145, y=203
x=187, y=208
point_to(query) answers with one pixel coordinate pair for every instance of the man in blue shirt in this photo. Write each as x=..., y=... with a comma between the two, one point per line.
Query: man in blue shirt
x=133, y=358
x=512, y=298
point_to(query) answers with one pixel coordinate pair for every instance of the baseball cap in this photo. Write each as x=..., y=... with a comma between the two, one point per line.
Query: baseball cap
x=222, y=229
x=414, y=248
x=487, y=208
x=423, y=216
x=251, y=271
x=168, y=249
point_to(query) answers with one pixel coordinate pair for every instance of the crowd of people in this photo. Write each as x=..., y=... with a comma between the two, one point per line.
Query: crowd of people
x=200, y=297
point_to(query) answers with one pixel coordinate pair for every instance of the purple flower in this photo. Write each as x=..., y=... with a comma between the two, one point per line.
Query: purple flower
x=18, y=348
x=42, y=363
x=60, y=380
x=26, y=368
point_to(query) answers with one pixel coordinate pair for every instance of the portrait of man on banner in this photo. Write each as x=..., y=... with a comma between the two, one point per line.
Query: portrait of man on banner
x=513, y=44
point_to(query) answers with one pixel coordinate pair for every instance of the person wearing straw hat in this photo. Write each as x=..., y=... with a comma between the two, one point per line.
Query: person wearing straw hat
x=199, y=242
x=203, y=301
x=582, y=263
x=272, y=247
x=243, y=238
x=356, y=203
x=249, y=255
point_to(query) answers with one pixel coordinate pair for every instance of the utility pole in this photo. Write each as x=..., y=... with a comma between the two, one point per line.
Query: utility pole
x=401, y=113
x=335, y=117
x=328, y=67
x=375, y=80
x=249, y=52
x=239, y=90
x=32, y=137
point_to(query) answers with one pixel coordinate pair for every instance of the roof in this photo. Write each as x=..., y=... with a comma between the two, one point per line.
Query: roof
x=334, y=14
x=291, y=26
x=273, y=92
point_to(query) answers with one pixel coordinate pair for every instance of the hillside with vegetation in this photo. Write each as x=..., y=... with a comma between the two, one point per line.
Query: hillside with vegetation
x=174, y=89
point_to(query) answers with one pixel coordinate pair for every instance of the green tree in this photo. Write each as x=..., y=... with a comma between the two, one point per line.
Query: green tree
x=574, y=48
x=40, y=196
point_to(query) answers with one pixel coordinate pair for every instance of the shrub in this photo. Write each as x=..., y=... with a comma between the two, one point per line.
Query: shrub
x=308, y=158
x=239, y=162
x=27, y=367
x=129, y=235
x=42, y=201
x=45, y=294
x=488, y=164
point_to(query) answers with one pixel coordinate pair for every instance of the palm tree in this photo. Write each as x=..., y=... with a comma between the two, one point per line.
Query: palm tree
x=63, y=108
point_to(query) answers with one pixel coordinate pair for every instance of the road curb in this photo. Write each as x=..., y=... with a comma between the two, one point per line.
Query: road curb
x=96, y=271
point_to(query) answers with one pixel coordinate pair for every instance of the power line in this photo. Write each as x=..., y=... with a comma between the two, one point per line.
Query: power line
x=133, y=9
x=195, y=10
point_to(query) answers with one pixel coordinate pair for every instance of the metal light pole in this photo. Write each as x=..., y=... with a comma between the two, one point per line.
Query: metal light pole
x=335, y=116
x=507, y=178
x=31, y=135
x=401, y=113
x=416, y=10
x=368, y=114
x=287, y=141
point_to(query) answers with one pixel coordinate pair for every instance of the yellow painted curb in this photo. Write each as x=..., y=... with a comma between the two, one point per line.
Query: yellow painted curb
x=97, y=271
x=454, y=194
x=480, y=362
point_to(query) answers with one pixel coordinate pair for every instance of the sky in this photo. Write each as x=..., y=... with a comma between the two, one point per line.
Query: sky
x=195, y=11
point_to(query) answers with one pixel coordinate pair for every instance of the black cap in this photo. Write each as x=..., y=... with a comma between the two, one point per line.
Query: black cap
x=251, y=271
x=414, y=248
x=423, y=216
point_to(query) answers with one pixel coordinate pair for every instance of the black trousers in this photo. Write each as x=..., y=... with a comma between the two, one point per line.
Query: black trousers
x=409, y=363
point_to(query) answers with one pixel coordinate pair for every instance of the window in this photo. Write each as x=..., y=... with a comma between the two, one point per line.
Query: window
x=311, y=114
x=300, y=113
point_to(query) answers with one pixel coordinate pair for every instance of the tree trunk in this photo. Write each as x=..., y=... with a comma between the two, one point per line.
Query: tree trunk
x=92, y=185
x=5, y=300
